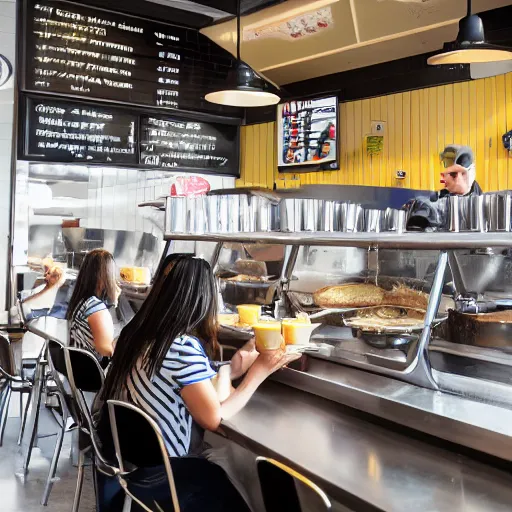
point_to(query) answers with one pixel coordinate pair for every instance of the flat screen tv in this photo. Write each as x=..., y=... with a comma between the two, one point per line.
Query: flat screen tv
x=307, y=135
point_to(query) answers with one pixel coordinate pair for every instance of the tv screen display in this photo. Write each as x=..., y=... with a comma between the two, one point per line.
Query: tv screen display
x=307, y=133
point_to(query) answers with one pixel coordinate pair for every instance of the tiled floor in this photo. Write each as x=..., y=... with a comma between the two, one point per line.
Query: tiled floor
x=19, y=494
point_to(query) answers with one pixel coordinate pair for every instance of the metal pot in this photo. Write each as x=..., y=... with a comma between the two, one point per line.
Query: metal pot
x=498, y=210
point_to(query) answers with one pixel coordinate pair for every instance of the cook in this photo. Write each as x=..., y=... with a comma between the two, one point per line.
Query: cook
x=458, y=178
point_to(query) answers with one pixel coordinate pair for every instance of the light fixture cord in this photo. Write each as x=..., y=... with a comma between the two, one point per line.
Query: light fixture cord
x=469, y=8
x=238, y=15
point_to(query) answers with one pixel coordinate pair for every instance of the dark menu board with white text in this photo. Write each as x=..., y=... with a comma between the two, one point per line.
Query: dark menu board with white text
x=58, y=131
x=81, y=51
x=173, y=143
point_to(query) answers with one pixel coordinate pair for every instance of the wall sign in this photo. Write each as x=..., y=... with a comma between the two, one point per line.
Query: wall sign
x=176, y=143
x=81, y=51
x=60, y=131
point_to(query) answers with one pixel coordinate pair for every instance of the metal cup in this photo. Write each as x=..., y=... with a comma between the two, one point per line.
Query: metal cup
x=245, y=224
x=312, y=214
x=454, y=214
x=372, y=220
x=212, y=214
x=176, y=215
x=353, y=221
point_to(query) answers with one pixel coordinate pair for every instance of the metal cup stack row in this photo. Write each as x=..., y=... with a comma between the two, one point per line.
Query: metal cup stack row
x=491, y=212
x=236, y=213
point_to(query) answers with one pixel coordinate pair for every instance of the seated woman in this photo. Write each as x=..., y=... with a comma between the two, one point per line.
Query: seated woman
x=90, y=323
x=163, y=365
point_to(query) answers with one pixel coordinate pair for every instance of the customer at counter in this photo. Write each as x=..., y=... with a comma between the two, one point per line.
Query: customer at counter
x=42, y=301
x=91, y=326
x=163, y=364
x=458, y=178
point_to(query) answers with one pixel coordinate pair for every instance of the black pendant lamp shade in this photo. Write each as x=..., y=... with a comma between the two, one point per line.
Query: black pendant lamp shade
x=470, y=46
x=245, y=87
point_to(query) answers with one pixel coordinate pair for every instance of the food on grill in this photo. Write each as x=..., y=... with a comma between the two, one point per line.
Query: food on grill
x=355, y=295
x=242, y=278
x=385, y=317
x=228, y=319
x=406, y=297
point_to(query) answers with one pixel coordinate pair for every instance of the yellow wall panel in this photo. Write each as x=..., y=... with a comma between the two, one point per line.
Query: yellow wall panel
x=418, y=126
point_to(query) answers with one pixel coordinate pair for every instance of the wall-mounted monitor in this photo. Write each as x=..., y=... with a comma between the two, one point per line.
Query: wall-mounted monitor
x=307, y=135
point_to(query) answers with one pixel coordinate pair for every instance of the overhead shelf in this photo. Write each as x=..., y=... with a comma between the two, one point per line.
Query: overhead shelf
x=425, y=241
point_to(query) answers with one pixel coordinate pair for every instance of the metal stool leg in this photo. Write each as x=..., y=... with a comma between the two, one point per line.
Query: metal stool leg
x=37, y=392
x=55, y=459
x=127, y=504
x=4, y=412
x=24, y=414
x=79, y=481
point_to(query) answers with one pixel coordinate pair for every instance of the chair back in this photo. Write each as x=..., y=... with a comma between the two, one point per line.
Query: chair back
x=139, y=441
x=285, y=489
x=7, y=366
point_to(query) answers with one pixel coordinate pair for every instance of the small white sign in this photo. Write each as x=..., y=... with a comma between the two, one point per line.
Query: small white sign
x=378, y=127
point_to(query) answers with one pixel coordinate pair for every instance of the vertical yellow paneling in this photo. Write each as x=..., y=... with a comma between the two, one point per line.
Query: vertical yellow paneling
x=508, y=102
x=419, y=125
x=480, y=134
x=385, y=153
x=398, y=146
x=433, y=148
x=501, y=128
x=406, y=138
x=415, y=136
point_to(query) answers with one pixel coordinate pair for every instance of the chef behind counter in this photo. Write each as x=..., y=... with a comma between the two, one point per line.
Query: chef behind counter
x=458, y=178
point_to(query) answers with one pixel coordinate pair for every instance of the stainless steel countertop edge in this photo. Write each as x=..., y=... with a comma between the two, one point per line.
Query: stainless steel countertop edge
x=476, y=425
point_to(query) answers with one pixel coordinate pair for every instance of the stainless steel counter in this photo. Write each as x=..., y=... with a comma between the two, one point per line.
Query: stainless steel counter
x=362, y=465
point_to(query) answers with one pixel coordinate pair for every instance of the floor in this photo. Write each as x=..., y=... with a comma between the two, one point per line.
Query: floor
x=19, y=494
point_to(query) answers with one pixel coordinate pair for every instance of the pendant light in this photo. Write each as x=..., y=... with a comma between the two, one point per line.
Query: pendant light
x=470, y=46
x=246, y=87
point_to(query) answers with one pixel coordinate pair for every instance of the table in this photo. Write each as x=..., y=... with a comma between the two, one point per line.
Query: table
x=364, y=466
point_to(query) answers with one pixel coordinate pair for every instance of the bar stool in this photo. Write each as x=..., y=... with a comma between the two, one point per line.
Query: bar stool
x=10, y=383
x=142, y=426
x=283, y=488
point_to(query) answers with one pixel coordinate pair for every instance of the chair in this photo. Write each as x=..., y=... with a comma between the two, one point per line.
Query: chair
x=9, y=383
x=283, y=488
x=141, y=427
x=81, y=372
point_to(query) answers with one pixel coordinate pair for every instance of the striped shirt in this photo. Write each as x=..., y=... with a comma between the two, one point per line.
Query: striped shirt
x=80, y=335
x=160, y=396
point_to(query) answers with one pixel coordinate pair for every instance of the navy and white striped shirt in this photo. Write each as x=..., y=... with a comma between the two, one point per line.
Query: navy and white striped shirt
x=80, y=335
x=185, y=363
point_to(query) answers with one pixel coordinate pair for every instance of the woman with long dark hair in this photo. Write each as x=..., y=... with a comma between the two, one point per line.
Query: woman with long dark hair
x=163, y=364
x=91, y=327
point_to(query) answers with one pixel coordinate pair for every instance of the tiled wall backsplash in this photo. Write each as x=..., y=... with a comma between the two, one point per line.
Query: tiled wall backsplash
x=113, y=195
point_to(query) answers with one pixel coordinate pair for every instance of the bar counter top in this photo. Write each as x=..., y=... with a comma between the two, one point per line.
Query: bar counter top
x=362, y=465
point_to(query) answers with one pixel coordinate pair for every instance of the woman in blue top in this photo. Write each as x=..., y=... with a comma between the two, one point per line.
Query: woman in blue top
x=90, y=324
x=163, y=365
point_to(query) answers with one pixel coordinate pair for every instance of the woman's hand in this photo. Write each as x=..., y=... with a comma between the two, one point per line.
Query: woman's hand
x=243, y=359
x=270, y=361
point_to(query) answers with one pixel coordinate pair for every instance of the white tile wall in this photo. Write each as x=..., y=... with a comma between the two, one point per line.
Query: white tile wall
x=8, y=49
x=115, y=193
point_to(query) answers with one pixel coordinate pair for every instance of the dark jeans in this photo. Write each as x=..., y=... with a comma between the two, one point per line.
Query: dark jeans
x=201, y=485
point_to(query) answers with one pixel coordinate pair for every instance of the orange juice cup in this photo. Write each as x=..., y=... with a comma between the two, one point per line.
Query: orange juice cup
x=268, y=336
x=249, y=313
x=297, y=332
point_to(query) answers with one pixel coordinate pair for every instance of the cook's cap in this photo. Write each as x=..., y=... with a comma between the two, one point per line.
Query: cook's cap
x=456, y=154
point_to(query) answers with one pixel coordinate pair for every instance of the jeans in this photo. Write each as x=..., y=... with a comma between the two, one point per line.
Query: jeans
x=201, y=486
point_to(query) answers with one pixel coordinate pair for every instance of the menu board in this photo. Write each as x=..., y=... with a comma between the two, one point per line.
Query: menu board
x=174, y=143
x=307, y=134
x=58, y=131
x=81, y=51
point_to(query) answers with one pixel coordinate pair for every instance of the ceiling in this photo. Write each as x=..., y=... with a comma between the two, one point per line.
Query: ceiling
x=302, y=39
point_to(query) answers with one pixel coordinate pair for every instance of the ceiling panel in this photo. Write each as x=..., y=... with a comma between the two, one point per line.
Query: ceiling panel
x=379, y=18
x=362, y=56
